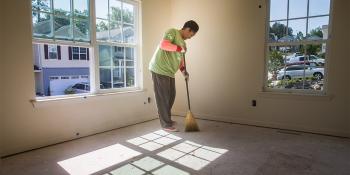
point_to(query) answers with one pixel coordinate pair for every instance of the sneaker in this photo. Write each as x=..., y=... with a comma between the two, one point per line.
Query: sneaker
x=171, y=129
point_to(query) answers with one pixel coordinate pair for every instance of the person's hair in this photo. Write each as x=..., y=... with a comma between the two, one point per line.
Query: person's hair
x=192, y=25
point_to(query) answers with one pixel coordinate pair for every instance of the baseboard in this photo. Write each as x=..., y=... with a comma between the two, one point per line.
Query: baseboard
x=6, y=155
x=273, y=125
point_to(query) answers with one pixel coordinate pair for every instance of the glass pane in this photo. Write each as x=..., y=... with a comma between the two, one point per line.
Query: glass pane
x=297, y=8
x=105, y=55
x=118, y=77
x=105, y=78
x=81, y=30
x=63, y=28
x=102, y=29
x=101, y=9
x=278, y=9
x=314, y=71
x=81, y=7
x=297, y=29
x=130, y=77
x=118, y=56
x=318, y=28
x=129, y=56
x=116, y=34
x=41, y=5
x=128, y=33
x=115, y=10
x=284, y=67
x=319, y=7
x=277, y=30
x=62, y=7
x=128, y=13
x=41, y=24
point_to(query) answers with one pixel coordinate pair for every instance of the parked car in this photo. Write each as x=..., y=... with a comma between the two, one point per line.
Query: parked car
x=82, y=87
x=297, y=71
x=301, y=59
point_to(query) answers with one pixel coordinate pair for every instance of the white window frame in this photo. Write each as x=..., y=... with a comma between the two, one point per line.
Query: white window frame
x=294, y=43
x=136, y=45
x=79, y=53
x=93, y=44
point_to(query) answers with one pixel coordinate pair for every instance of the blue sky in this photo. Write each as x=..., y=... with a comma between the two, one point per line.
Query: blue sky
x=297, y=9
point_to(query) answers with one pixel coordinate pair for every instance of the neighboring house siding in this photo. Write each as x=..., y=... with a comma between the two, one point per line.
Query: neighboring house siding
x=48, y=72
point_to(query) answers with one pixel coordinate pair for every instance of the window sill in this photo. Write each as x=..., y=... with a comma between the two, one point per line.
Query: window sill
x=295, y=96
x=85, y=96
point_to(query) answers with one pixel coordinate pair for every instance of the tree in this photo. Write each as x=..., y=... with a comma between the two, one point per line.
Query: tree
x=280, y=30
x=275, y=62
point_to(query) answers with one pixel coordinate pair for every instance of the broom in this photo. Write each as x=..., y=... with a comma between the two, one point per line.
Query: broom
x=190, y=122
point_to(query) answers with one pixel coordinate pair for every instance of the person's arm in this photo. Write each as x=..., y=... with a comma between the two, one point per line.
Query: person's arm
x=168, y=46
x=183, y=69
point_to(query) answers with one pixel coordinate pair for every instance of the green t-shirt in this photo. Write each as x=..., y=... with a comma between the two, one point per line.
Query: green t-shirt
x=165, y=62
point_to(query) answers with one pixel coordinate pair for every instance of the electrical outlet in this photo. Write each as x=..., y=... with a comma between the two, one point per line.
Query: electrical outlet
x=253, y=103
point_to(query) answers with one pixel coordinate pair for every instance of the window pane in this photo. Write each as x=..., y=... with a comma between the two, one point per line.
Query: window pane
x=82, y=50
x=130, y=77
x=297, y=8
x=285, y=67
x=314, y=72
x=118, y=56
x=41, y=5
x=81, y=7
x=81, y=30
x=277, y=30
x=62, y=7
x=129, y=56
x=105, y=55
x=297, y=29
x=75, y=56
x=278, y=9
x=41, y=24
x=128, y=33
x=318, y=28
x=105, y=78
x=101, y=9
x=116, y=34
x=82, y=56
x=115, y=10
x=118, y=77
x=63, y=28
x=102, y=29
x=319, y=7
x=128, y=13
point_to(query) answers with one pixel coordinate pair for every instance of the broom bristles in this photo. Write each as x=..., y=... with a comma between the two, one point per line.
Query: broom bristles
x=190, y=123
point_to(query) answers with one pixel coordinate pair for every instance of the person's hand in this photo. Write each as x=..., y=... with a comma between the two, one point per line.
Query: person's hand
x=186, y=75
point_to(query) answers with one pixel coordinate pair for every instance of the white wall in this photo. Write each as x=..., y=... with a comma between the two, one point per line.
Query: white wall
x=226, y=65
x=28, y=127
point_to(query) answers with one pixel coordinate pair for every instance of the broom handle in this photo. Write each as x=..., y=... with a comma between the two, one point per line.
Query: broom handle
x=188, y=93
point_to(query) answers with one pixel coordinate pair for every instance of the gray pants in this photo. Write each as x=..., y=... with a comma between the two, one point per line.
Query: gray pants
x=164, y=90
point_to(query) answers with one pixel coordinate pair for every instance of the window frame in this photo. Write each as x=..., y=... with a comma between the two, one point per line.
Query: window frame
x=93, y=44
x=136, y=45
x=268, y=44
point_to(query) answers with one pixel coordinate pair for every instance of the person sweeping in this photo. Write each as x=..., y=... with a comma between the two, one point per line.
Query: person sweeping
x=166, y=61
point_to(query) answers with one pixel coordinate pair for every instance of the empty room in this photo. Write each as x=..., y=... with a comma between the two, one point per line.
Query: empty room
x=174, y=87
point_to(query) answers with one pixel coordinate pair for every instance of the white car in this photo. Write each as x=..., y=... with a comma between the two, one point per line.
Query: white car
x=301, y=59
x=83, y=87
x=297, y=71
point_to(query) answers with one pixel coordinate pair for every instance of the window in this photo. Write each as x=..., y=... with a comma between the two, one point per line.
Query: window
x=52, y=51
x=117, y=43
x=298, y=35
x=64, y=30
x=78, y=53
